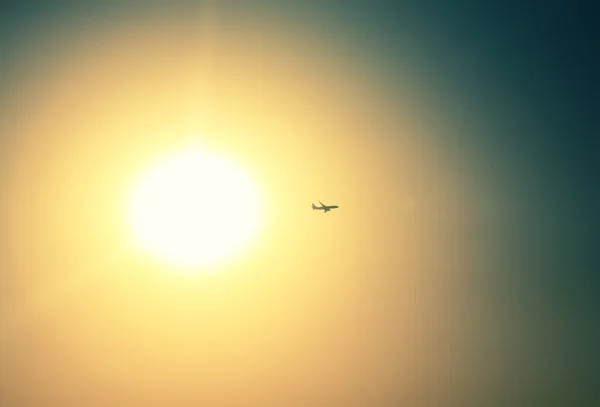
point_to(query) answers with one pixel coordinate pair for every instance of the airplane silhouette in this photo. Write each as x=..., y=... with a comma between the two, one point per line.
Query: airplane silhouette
x=324, y=207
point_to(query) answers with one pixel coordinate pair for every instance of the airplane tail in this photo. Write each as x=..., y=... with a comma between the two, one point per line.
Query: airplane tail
x=314, y=207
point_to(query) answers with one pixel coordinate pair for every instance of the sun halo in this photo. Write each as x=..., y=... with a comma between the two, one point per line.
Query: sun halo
x=193, y=209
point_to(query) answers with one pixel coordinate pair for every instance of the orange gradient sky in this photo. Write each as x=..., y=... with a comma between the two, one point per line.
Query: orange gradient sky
x=379, y=300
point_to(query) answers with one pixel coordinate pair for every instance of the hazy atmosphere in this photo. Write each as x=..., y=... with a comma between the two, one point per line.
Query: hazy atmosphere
x=158, y=162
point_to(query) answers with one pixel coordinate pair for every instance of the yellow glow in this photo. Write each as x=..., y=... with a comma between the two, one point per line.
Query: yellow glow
x=105, y=205
x=193, y=209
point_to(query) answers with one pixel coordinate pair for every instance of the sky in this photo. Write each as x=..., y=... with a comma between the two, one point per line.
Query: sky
x=458, y=138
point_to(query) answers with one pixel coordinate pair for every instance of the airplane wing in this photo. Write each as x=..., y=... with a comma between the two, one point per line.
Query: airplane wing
x=322, y=204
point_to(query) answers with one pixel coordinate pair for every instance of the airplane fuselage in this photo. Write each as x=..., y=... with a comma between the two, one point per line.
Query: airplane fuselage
x=323, y=207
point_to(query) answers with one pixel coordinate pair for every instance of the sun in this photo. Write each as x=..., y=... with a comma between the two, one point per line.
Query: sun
x=193, y=209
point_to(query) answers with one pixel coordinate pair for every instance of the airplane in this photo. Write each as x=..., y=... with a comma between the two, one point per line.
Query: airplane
x=324, y=207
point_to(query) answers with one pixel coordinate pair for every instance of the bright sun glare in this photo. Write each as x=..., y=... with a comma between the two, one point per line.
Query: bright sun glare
x=193, y=209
